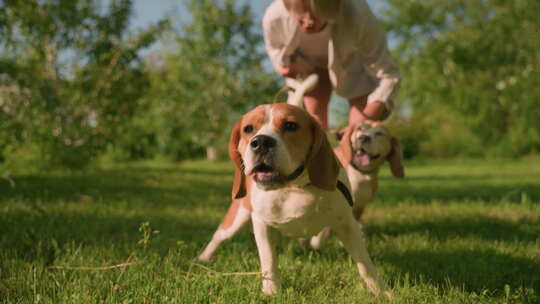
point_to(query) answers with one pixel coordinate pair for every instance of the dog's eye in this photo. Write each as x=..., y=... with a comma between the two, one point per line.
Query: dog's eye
x=290, y=126
x=379, y=134
x=248, y=129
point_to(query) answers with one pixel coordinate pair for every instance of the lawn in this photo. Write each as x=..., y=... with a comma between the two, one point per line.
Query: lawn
x=460, y=231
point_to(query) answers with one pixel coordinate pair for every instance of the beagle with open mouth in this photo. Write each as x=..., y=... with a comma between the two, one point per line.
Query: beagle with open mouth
x=286, y=179
x=362, y=150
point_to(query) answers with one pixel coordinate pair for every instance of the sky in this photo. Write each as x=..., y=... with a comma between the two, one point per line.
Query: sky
x=149, y=11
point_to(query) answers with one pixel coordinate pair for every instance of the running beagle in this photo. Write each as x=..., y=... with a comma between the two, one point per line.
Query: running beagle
x=362, y=150
x=286, y=179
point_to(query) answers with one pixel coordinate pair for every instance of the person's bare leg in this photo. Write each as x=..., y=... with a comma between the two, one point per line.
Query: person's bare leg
x=316, y=101
x=356, y=110
x=361, y=111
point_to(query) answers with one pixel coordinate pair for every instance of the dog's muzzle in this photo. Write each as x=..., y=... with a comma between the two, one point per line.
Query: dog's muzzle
x=361, y=156
x=262, y=144
x=265, y=171
x=363, y=159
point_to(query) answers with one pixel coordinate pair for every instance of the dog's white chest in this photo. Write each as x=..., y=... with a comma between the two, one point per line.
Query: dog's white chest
x=294, y=211
x=361, y=185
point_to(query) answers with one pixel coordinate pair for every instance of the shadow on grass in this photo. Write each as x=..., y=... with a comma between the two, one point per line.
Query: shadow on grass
x=34, y=236
x=104, y=209
x=472, y=270
x=475, y=269
x=443, y=228
x=426, y=189
x=133, y=184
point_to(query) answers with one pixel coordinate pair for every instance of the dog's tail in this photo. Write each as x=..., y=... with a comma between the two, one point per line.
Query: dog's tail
x=301, y=87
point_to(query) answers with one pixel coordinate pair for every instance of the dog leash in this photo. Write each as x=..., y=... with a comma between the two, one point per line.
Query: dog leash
x=345, y=191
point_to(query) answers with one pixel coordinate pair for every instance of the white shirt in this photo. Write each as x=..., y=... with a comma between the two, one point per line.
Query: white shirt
x=359, y=62
x=314, y=47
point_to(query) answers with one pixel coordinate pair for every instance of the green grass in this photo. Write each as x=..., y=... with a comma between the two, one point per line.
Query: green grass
x=461, y=231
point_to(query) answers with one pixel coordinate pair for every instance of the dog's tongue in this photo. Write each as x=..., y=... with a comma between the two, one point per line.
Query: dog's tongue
x=266, y=174
x=363, y=159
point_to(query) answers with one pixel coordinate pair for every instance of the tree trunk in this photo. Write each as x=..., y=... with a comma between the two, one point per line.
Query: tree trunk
x=211, y=153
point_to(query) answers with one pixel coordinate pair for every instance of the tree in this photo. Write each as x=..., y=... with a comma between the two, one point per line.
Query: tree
x=211, y=73
x=71, y=76
x=469, y=75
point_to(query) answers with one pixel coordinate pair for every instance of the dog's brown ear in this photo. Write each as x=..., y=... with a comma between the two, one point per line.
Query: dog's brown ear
x=395, y=158
x=321, y=162
x=345, y=147
x=239, y=183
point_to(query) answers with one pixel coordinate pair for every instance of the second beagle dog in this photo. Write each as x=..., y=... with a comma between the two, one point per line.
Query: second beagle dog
x=286, y=179
x=362, y=150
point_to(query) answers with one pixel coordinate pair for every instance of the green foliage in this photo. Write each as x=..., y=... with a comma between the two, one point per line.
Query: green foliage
x=451, y=232
x=71, y=78
x=435, y=134
x=75, y=88
x=147, y=231
x=470, y=64
x=208, y=77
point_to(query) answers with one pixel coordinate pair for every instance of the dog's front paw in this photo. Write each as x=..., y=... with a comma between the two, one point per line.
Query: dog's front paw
x=315, y=242
x=270, y=288
x=204, y=258
x=389, y=295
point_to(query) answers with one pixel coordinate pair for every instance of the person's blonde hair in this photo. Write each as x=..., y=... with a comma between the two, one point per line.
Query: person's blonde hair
x=328, y=9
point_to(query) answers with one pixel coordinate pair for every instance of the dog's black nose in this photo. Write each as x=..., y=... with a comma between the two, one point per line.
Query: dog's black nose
x=262, y=143
x=364, y=139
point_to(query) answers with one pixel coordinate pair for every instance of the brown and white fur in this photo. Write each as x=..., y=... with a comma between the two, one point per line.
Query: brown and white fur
x=285, y=180
x=362, y=151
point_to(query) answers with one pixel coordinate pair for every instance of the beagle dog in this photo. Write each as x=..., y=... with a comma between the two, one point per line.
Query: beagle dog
x=361, y=151
x=286, y=179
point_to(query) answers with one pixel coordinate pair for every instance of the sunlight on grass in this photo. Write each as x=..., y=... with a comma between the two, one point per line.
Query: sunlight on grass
x=461, y=231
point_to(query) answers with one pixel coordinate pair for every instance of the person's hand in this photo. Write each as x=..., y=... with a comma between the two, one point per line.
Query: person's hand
x=291, y=71
x=285, y=71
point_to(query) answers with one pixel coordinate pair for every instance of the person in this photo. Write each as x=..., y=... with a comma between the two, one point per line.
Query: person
x=343, y=43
